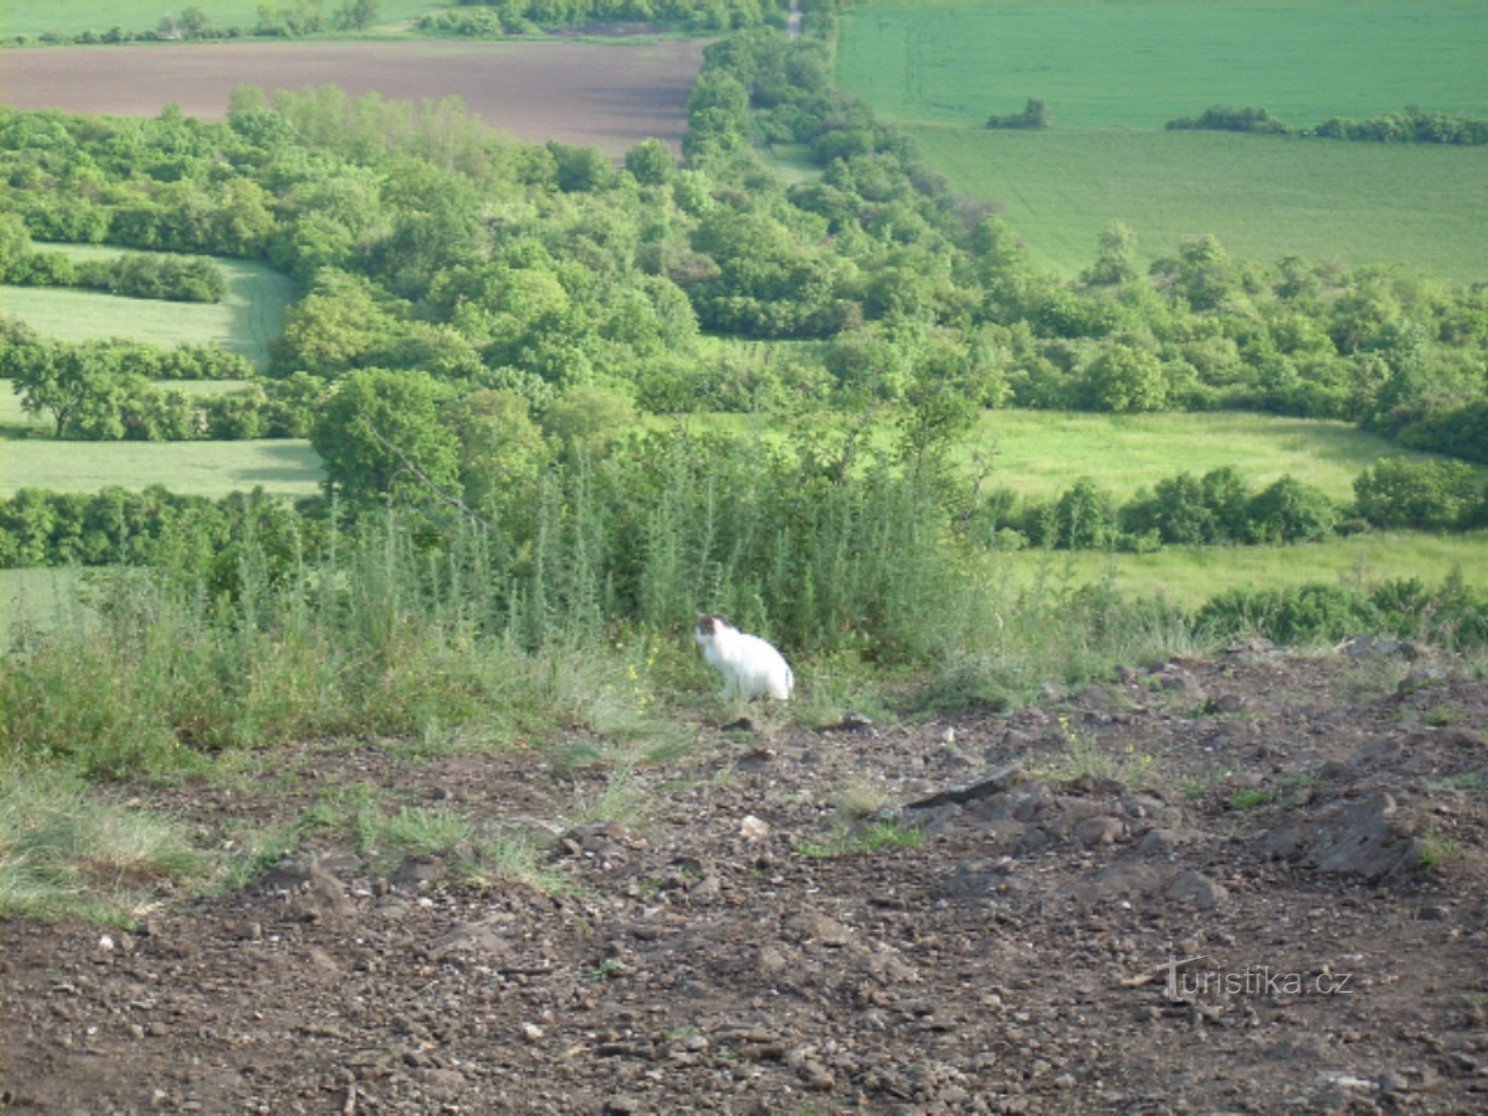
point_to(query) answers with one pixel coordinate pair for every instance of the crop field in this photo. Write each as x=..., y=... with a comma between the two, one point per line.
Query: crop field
x=1139, y=63
x=604, y=95
x=244, y=322
x=1264, y=197
x=1114, y=73
x=1191, y=575
x=289, y=467
x=75, y=16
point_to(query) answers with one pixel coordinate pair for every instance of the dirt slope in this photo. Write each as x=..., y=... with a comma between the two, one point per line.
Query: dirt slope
x=1240, y=922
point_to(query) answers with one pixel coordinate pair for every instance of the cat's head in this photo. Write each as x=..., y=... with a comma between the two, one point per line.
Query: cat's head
x=709, y=626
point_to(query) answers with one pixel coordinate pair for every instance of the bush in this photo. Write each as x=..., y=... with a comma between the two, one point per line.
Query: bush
x=1426, y=495
x=1296, y=615
x=1035, y=115
x=1290, y=511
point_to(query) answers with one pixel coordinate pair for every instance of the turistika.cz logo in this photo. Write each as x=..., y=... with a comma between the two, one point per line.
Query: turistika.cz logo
x=1185, y=982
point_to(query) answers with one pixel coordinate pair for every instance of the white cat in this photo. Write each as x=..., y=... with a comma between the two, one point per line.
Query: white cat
x=750, y=666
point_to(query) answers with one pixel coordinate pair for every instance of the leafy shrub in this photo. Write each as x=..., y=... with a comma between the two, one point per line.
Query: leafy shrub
x=1035, y=115
x=1427, y=495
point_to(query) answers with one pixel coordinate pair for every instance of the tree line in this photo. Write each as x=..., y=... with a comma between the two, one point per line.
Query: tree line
x=135, y=276
x=1413, y=124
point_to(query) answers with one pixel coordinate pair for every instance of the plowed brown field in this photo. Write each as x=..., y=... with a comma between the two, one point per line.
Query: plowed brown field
x=584, y=93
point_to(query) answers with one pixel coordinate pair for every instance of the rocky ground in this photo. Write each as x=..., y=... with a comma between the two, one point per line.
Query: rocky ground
x=1248, y=884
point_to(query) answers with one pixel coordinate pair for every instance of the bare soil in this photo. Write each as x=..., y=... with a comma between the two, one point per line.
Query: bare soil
x=1277, y=904
x=610, y=97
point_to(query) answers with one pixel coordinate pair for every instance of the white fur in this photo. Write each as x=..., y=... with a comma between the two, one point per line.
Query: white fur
x=750, y=666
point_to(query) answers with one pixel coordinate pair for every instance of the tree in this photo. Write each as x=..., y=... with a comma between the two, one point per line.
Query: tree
x=357, y=15
x=589, y=417
x=1124, y=378
x=81, y=385
x=1428, y=495
x=501, y=449
x=651, y=163
x=380, y=437
x=1290, y=511
x=1116, y=256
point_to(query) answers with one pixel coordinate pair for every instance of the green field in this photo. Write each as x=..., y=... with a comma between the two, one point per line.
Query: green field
x=1191, y=575
x=1114, y=73
x=1139, y=63
x=74, y=16
x=244, y=322
x=1042, y=453
x=1264, y=197
x=191, y=468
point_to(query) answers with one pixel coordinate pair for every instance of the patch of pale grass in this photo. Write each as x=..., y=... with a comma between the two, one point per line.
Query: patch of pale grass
x=67, y=850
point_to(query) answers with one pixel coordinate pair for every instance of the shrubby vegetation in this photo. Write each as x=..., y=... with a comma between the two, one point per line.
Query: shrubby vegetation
x=478, y=18
x=1450, y=615
x=519, y=17
x=1035, y=115
x=1412, y=125
x=137, y=276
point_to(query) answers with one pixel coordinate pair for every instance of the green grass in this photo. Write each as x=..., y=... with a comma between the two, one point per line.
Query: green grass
x=1189, y=576
x=1114, y=73
x=1139, y=63
x=245, y=322
x=286, y=466
x=73, y=16
x=1263, y=197
x=793, y=162
x=1042, y=452
x=66, y=850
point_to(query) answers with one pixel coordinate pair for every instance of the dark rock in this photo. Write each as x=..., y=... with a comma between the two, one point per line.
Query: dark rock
x=997, y=781
x=1099, y=831
x=1197, y=889
x=851, y=722
x=1369, y=837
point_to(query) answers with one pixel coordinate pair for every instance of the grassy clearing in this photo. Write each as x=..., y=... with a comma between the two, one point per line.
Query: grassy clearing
x=74, y=16
x=1139, y=63
x=1040, y=453
x=1189, y=576
x=1264, y=197
x=793, y=162
x=244, y=322
x=289, y=467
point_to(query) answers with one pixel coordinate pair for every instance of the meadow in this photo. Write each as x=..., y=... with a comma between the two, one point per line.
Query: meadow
x=1264, y=197
x=1189, y=576
x=74, y=16
x=1114, y=73
x=285, y=466
x=244, y=322
x=1040, y=453
x=1139, y=63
